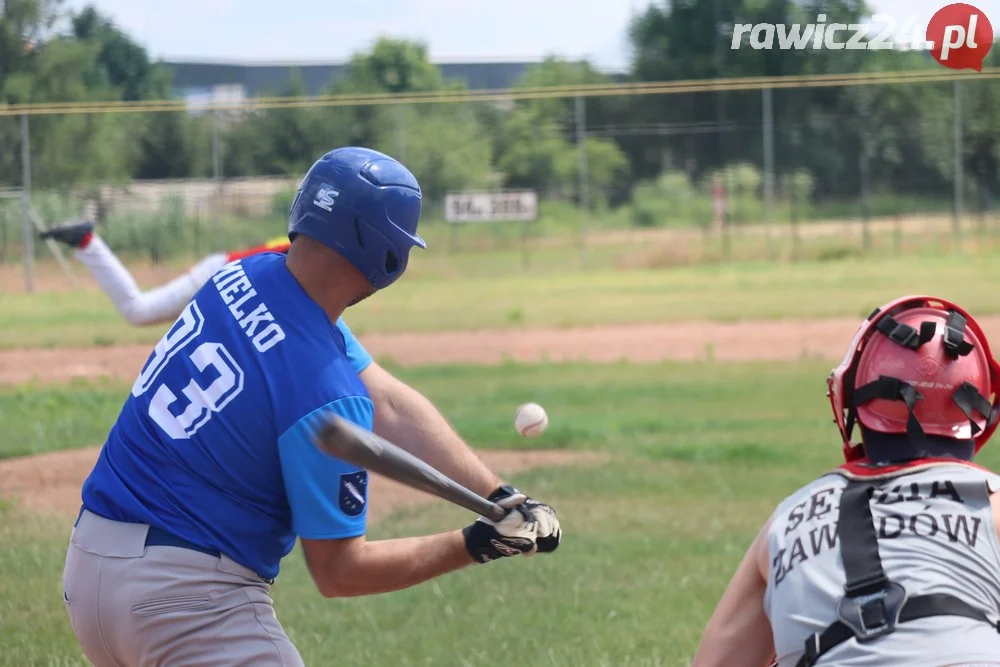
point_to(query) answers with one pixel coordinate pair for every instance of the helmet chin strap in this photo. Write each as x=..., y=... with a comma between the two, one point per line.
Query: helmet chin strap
x=889, y=389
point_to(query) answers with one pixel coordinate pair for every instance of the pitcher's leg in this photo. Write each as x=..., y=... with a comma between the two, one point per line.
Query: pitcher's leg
x=165, y=302
x=112, y=276
x=140, y=308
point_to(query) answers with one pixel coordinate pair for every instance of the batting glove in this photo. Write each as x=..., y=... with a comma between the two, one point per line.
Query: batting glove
x=513, y=535
x=549, y=531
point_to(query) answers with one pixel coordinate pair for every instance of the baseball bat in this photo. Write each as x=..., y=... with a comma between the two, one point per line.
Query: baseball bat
x=351, y=443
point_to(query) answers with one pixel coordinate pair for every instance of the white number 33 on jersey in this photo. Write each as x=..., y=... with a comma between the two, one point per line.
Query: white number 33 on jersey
x=201, y=402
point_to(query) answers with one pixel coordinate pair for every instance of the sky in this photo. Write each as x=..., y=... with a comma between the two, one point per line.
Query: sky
x=455, y=30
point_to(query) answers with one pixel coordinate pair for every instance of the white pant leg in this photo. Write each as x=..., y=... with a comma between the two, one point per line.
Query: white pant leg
x=161, y=304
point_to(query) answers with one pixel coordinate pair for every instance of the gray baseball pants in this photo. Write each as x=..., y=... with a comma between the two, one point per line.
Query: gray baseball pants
x=136, y=606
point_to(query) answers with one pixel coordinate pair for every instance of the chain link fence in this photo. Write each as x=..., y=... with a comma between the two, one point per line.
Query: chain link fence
x=657, y=179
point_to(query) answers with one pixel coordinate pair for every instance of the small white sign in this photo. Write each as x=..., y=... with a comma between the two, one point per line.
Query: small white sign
x=491, y=206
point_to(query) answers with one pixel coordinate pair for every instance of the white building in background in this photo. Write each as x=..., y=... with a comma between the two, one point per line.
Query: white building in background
x=199, y=79
x=198, y=98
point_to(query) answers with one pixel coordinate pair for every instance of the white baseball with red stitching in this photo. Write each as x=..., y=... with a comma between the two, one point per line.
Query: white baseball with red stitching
x=530, y=420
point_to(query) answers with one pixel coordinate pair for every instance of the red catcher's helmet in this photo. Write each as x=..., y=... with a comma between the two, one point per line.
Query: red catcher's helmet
x=917, y=365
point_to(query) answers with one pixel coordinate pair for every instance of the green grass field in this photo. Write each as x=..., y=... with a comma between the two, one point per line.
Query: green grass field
x=38, y=419
x=657, y=411
x=439, y=300
x=700, y=454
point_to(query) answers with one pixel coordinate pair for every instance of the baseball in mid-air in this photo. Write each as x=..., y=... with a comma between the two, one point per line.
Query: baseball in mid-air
x=530, y=420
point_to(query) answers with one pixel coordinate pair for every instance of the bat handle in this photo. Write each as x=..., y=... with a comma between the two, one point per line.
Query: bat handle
x=495, y=512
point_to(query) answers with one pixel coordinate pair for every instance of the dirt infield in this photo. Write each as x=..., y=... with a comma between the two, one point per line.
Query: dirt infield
x=737, y=341
x=51, y=482
x=781, y=340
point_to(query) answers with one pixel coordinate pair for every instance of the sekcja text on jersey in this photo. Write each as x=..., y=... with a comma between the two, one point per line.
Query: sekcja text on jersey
x=814, y=521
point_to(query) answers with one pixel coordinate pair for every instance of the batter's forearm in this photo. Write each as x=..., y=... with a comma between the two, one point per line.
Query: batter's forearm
x=391, y=565
x=406, y=417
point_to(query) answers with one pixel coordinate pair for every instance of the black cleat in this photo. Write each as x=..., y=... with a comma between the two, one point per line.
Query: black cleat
x=71, y=234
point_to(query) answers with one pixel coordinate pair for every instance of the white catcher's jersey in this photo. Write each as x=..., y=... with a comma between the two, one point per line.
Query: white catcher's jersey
x=935, y=535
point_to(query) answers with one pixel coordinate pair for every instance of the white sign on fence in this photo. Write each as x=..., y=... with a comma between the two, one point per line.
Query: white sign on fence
x=491, y=206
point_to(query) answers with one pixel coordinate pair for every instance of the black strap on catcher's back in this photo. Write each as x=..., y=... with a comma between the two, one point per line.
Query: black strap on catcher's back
x=873, y=605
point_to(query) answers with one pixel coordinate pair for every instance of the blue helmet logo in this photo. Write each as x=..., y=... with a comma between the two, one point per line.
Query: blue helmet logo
x=364, y=205
x=325, y=197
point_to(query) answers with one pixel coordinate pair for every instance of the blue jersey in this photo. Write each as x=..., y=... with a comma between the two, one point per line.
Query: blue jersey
x=213, y=443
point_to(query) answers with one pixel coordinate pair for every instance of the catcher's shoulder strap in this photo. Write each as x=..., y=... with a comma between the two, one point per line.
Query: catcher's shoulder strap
x=873, y=605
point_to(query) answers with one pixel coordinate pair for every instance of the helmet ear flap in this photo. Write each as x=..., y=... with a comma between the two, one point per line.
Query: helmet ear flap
x=992, y=417
x=391, y=262
x=840, y=387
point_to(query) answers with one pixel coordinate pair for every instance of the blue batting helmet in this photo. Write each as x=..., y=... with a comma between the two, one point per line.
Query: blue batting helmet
x=363, y=204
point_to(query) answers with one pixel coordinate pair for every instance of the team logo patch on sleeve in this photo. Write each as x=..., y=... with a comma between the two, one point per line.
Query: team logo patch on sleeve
x=353, y=492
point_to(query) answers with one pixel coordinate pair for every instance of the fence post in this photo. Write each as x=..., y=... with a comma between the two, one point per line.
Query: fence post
x=768, y=123
x=401, y=133
x=27, y=230
x=3, y=237
x=217, y=175
x=959, y=175
x=864, y=169
x=581, y=143
x=793, y=193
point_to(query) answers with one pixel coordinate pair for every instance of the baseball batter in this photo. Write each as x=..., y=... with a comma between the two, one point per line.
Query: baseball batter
x=209, y=475
x=891, y=560
x=402, y=414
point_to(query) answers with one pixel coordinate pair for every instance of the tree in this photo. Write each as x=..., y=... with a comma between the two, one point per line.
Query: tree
x=392, y=66
x=170, y=145
x=905, y=131
x=23, y=23
x=693, y=40
x=74, y=149
x=537, y=145
x=38, y=65
x=283, y=140
x=981, y=137
x=980, y=134
x=121, y=62
x=442, y=144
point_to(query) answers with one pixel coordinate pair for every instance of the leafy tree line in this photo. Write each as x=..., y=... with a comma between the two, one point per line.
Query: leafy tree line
x=898, y=138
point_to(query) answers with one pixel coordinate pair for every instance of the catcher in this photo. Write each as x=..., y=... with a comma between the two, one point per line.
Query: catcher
x=893, y=558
